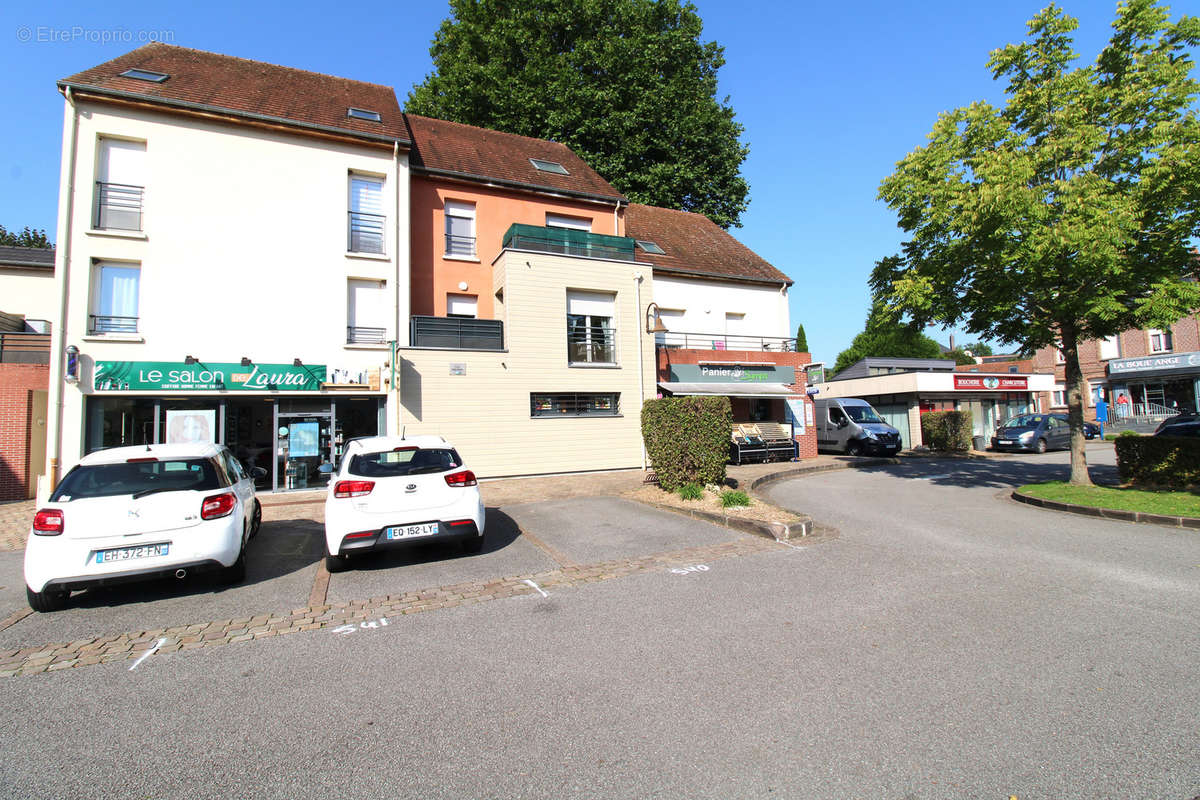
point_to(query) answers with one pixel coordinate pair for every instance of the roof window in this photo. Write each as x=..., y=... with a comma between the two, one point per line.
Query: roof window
x=362, y=113
x=650, y=247
x=145, y=75
x=549, y=166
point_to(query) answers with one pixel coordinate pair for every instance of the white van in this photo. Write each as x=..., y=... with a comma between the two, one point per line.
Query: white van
x=849, y=425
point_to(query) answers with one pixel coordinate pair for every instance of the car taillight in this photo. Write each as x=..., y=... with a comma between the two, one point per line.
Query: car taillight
x=48, y=522
x=352, y=488
x=217, y=506
x=462, y=478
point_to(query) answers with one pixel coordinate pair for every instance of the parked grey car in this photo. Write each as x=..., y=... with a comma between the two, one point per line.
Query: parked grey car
x=1033, y=432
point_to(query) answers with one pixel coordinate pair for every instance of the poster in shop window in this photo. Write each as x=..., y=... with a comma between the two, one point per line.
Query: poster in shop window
x=796, y=408
x=191, y=426
x=303, y=441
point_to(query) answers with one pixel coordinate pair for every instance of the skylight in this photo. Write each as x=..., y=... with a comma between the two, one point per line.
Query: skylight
x=362, y=113
x=549, y=166
x=145, y=75
x=650, y=247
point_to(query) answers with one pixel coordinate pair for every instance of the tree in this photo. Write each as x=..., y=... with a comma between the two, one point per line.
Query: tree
x=626, y=84
x=1067, y=213
x=978, y=349
x=959, y=354
x=801, y=340
x=26, y=238
x=885, y=335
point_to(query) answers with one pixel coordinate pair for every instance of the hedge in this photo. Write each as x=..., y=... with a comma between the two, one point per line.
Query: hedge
x=946, y=430
x=687, y=439
x=1158, y=461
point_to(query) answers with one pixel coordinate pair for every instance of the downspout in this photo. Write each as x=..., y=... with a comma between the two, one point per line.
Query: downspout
x=637, y=287
x=392, y=387
x=58, y=334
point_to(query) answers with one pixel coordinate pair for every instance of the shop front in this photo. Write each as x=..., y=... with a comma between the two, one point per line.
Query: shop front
x=288, y=419
x=1154, y=385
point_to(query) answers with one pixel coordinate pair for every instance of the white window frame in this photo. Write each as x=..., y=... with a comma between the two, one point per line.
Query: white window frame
x=125, y=186
x=459, y=210
x=1165, y=343
x=573, y=223
x=1058, y=397
x=354, y=205
x=1109, y=347
x=458, y=304
x=97, y=298
x=374, y=316
x=592, y=306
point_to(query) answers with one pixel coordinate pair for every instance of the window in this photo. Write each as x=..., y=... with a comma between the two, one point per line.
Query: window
x=1110, y=347
x=114, y=298
x=366, y=215
x=574, y=223
x=650, y=247
x=1096, y=391
x=464, y=306
x=145, y=75
x=366, y=312
x=549, y=166
x=1059, y=356
x=460, y=229
x=362, y=113
x=1058, y=397
x=591, y=337
x=120, y=184
x=1160, y=341
x=605, y=404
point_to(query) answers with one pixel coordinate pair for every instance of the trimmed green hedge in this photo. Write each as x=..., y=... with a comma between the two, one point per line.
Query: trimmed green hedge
x=687, y=439
x=946, y=430
x=1158, y=461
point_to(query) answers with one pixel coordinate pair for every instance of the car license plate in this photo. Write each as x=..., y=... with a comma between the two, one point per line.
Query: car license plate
x=411, y=531
x=1004, y=441
x=130, y=553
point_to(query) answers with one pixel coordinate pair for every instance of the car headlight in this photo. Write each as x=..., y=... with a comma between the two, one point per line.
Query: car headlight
x=1026, y=436
x=870, y=435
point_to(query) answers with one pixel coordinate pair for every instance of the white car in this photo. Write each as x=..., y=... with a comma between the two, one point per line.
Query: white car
x=391, y=491
x=137, y=513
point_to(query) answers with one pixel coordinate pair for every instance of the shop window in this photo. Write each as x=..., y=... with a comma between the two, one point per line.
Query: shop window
x=115, y=290
x=591, y=336
x=603, y=404
x=118, y=422
x=366, y=312
x=1110, y=347
x=1160, y=341
x=462, y=306
x=120, y=185
x=366, y=223
x=460, y=229
x=574, y=223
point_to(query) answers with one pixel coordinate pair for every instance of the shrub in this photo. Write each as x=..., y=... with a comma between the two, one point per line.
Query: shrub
x=734, y=497
x=947, y=430
x=687, y=439
x=1158, y=461
x=691, y=491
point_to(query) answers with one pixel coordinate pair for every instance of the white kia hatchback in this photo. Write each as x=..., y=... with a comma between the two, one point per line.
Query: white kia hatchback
x=137, y=513
x=391, y=491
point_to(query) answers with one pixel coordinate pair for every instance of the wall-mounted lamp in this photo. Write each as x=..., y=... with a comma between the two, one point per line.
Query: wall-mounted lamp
x=71, y=368
x=189, y=360
x=653, y=323
x=297, y=363
x=245, y=361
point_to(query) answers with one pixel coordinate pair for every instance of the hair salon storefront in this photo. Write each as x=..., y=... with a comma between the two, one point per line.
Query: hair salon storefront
x=286, y=418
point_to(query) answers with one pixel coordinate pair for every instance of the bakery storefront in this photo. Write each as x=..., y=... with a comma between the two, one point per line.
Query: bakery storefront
x=286, y=418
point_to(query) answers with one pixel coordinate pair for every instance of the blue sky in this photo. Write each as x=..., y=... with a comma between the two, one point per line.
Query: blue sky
x=831, y=96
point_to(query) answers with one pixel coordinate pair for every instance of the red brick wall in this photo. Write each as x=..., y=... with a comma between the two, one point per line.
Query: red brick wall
x=17, y=384
x=808, y=440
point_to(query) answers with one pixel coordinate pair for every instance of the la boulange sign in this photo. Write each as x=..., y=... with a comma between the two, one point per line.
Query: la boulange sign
x=991, y=383
x=141, y=376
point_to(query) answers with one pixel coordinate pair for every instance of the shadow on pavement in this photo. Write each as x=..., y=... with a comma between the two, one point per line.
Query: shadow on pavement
x=995, y=472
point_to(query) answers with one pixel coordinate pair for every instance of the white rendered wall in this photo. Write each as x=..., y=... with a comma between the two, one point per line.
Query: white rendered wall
x=28, y=292
x=706, y=303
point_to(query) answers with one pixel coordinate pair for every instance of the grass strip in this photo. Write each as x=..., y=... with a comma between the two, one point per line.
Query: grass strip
x=1171, y=503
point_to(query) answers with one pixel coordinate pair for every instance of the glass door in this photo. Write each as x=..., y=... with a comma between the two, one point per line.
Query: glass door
x=303, y=443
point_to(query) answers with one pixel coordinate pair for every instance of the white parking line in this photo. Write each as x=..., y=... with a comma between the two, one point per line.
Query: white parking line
x=534, y=585
x=148, y=653
x=938, y=477
x=789, y=544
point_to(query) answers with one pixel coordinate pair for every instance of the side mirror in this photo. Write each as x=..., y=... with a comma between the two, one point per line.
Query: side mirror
x=841, y=423
x=326, y=468
x=257, y=472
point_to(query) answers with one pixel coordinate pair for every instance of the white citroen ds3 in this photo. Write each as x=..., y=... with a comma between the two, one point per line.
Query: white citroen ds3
x=137, y=513
x=391, y=491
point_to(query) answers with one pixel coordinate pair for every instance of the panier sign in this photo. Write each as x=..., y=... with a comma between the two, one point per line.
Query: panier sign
x=153, y=376
x=991, y=383
x=732, y=373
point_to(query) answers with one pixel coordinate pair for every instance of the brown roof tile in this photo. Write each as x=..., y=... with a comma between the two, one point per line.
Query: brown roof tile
x=696, y=245
x=468, y=151
x=249, y=87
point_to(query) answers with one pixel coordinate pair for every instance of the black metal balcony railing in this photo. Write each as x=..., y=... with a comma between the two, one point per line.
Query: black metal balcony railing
x=460, y=245
x=360, y=335
x=568, y=241
x=592, y=346
x=457, y=333
x=366, y=232
x=118, y=206
x=720, y=341
x=102, y=323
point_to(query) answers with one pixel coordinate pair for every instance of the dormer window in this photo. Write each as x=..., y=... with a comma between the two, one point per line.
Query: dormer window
x=549, y=166
x=145, y=75
x=362, y=113
x=651, y=247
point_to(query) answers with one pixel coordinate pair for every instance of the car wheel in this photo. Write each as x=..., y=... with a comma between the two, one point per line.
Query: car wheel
x=256, y=519
x=1040, y=447
x=854, y=449
x=473, y=545
x=336, y=563
x=48, y=600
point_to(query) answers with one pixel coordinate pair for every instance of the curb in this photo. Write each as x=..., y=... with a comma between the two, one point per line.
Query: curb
x=1108, y=513
x=782, y=475
x=774, y=531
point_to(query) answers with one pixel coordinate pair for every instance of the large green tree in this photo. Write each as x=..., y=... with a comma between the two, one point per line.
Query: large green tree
x=1069, y=212
x=887, y=336
x=626, y=84
x=28, y=237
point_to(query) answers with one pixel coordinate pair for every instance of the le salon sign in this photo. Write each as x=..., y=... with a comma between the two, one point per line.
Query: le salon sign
x=141, y=376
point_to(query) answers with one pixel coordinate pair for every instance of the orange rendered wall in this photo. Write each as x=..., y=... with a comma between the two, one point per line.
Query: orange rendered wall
x=433, y=276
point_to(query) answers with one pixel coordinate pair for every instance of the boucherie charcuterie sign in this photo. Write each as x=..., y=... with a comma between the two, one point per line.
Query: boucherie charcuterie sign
x=135, y=376
x=991, y=383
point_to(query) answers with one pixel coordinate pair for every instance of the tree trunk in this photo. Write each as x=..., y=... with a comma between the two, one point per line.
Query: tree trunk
x=1075, y=394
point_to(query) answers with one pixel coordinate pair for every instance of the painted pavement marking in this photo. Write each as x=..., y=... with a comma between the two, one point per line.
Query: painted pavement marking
x=161, y=641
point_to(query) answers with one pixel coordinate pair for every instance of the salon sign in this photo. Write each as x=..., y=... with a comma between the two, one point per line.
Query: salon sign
x=153, y=376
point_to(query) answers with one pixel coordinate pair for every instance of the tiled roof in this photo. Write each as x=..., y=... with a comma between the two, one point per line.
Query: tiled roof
x=34, y=257
x=467, y=151
x=248, y=88
x=696, y=245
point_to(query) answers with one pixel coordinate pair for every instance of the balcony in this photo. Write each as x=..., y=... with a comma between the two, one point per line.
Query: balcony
x=569, y=242
x=456, y=333
x=101, y=323
x=365, y=232
x=361, y=335
x=118, y=207
x=462, y=246
x=721, y=341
